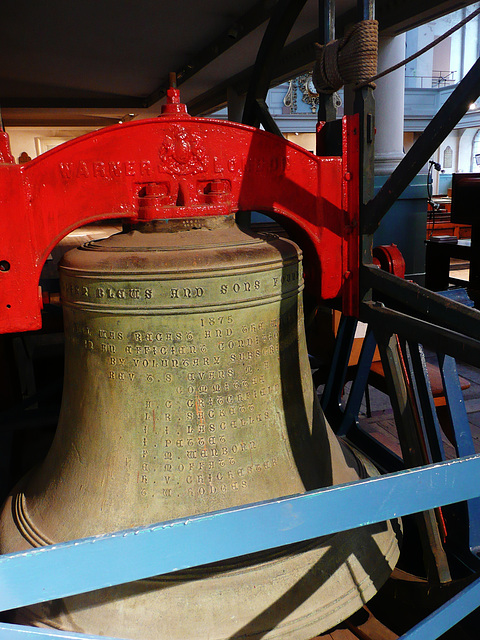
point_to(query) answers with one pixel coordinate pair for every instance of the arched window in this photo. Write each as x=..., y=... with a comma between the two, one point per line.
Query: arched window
x=475, y=165
x=447, y=157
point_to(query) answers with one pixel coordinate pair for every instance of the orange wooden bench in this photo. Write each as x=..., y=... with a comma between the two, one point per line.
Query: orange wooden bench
x=376, y=378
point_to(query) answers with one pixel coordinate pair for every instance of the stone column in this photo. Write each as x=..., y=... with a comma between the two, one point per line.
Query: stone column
x=406, y=221
x=389, y=109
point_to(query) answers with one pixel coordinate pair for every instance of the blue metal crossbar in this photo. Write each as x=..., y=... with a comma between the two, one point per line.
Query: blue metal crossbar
x=446, y=616
x=20, y=632
x=74, y=567
x=463, y=437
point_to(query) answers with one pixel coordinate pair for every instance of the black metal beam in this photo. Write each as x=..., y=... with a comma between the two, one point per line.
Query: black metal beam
x=299, y=56
x=266, y=119
x=292, y=61
x=398, y=16
x=276, y=34
x=411, y=298
x=327, y=111
x=458, y=345
x=466, y=92
x=238, y=30
x=394, y=17
x=364, y=105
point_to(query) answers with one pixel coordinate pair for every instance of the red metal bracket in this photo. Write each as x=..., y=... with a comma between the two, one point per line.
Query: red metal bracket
x=389, y=258
x=177, y=166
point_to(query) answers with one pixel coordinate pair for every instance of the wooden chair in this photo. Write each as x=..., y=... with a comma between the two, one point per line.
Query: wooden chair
x=376, y=379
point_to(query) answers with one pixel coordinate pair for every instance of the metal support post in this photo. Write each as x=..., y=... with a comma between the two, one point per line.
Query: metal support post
x=364, y=105
x=444, y=618
x=425, y=402
x=462, y=436
x=327, y=111
x=413, y=448
x=281, y=22
x=359, y=383
x=332, y=395
x=329, y=134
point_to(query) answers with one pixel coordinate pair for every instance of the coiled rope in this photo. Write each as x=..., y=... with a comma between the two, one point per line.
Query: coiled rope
x=348, y=60
x=425, y=49
x=353, y=58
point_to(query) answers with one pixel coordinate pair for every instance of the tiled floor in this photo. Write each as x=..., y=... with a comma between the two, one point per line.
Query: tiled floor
x=381, y=424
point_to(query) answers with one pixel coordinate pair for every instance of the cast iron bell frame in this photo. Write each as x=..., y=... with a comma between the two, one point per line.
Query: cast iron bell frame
x=381, y=299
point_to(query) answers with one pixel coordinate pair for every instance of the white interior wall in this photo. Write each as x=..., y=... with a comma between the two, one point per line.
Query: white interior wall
x=471, y=40
x=305, y=140
x=34, y=141
x=450, y=141
x=457, y=40
x=425, y=61
x=465, y=150
x=441, y=56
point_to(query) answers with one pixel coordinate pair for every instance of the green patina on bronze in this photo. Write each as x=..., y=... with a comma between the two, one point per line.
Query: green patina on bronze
x=188, y=390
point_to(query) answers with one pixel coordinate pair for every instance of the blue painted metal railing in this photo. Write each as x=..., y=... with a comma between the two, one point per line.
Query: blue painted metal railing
x=93, y=563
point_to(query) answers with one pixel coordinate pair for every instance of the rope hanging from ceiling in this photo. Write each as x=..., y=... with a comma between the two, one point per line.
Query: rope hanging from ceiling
x=348, y=60
x=353, y=58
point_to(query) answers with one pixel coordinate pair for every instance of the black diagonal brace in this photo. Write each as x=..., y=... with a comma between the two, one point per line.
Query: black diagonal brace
x=436, y=131
x=281, y=22
x=389, y=321
x=416, y=301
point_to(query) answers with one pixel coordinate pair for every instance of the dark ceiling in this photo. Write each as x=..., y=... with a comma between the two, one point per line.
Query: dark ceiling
x=96, y=61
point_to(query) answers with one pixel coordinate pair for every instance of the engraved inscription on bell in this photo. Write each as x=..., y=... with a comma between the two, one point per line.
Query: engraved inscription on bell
x=192, y=361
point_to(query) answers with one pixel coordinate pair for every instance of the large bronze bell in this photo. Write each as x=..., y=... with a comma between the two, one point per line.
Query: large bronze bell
x=188, y=390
